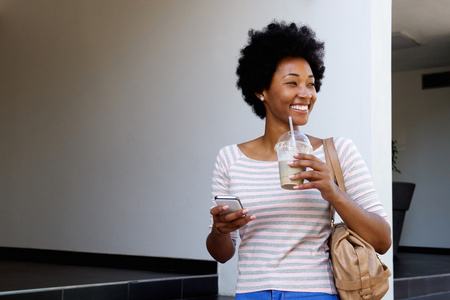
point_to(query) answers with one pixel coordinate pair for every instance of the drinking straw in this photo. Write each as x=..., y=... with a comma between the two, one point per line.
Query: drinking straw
x=292, y=129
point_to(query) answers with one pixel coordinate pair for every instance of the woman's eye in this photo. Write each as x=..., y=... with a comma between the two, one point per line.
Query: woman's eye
x=292, y=83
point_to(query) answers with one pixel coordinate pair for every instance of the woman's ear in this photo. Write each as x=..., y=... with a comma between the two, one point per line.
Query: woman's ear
x=260, y=96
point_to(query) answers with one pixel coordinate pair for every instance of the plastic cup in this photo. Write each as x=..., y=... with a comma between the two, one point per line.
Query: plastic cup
x=286, y=148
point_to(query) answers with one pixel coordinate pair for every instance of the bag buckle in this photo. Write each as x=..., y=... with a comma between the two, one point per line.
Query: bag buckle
x=366, y=293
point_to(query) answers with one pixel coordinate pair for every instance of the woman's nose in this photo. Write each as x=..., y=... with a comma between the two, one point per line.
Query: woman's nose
x=304, y=93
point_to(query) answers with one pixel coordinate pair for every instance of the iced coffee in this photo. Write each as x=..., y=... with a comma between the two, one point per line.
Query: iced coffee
x=287, y=146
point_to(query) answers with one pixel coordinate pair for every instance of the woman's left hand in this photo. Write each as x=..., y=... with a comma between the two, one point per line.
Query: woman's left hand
x=318, y=176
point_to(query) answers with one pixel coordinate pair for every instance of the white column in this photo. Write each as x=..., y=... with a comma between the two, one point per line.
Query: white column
x=381, y=112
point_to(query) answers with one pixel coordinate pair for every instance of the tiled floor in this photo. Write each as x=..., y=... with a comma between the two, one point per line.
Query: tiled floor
x=422, y=276
x=117, y=283
x=417, y=264
x=17, y=275
x=55, y=282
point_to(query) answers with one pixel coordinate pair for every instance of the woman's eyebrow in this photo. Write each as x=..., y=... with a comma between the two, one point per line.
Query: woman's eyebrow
x=292, y=74
x=296, y=75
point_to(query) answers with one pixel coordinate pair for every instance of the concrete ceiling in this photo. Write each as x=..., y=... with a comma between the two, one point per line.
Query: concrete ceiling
x=421, y=34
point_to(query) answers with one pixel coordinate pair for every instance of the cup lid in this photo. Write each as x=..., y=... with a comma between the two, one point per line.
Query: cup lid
x=286, y=138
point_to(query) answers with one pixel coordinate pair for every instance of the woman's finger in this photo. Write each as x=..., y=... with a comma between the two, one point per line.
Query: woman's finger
x=224, y=225
x=308, y=161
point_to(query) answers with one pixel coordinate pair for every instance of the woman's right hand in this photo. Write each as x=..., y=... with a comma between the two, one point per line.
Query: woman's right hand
x=227, y=223
x=219, y=242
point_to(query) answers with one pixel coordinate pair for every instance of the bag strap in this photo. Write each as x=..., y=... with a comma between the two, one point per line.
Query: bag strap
x=356, y=284
x=333, y=163
x=334, y=166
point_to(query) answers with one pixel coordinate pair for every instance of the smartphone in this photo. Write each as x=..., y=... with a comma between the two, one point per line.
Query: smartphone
x=233, y=203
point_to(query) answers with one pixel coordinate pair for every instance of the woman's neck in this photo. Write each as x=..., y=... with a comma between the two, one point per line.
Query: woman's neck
x=273, y=131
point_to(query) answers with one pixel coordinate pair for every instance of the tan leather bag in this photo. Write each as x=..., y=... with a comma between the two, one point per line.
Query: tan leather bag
x=358, y=271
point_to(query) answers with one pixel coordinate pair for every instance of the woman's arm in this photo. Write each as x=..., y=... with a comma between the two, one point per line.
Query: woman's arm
x=220, y=246
x=370, y=226
x=218, y=242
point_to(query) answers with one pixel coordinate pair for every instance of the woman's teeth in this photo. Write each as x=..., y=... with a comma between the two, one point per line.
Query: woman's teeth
x=300, y=107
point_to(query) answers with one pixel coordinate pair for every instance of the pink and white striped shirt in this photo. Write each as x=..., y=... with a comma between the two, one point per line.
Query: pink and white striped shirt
x=285, y=247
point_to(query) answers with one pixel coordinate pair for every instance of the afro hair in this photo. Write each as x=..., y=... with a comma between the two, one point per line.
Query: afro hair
x=266, y=48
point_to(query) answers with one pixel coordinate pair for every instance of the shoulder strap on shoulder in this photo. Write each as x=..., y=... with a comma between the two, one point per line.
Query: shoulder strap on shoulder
x=334, y=166
x=333, y=163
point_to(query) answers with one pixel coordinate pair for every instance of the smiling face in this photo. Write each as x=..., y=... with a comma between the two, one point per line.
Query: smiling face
x=291, y=93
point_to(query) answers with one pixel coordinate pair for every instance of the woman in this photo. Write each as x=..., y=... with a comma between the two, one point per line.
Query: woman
x=284, y=234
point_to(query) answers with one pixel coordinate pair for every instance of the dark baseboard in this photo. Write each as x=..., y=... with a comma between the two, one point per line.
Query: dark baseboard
x=156, y=264
x=424, y=250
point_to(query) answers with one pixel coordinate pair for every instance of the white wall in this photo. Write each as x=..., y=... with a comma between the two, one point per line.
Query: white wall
x=112, y=112
x=420, y=124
